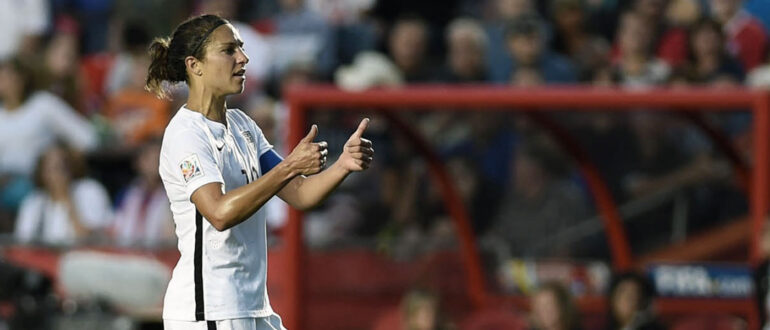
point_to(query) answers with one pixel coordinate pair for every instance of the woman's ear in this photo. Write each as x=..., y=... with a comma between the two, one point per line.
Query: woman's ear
x=193, y=65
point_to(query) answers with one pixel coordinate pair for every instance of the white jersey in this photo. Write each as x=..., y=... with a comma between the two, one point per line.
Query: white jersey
x=220, y=275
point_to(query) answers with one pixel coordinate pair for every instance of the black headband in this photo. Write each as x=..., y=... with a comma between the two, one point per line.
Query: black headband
x=206, y=35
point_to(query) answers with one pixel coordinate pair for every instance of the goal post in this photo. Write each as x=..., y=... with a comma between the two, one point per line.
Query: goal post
x=534, y=101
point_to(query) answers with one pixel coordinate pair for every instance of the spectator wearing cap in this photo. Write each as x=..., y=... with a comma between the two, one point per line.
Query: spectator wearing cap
x=746, y=36
x=505, y=12
x=526, y=43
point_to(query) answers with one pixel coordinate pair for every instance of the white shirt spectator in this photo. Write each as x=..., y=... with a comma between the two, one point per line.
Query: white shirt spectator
x=19, y=19
x=144, y=219
x=28, y=130
x=46, y=221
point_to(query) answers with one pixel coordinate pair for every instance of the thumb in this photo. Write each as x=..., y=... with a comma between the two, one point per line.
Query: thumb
x=310, y=135
x=361, y=128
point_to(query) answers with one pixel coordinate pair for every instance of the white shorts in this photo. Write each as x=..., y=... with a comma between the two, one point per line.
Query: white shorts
x=272, y=322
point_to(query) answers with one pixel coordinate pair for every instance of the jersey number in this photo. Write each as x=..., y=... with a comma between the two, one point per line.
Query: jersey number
x=249, y=178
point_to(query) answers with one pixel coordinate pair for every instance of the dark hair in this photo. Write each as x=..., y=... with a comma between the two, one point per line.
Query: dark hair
x=26, y=70
x=74, y=160
x=135, y=37
x=528, y=25
x=568, y=312
x=168, y=54
x=704, y=23
x=646, y=294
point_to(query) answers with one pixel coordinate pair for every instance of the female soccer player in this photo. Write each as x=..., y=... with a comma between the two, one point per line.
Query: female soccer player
x=218, y=171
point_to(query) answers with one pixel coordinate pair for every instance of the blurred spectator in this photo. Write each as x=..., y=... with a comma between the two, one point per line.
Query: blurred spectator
x=143, y=217
x=407, y=47
x=631, y=304
x=635, y=64
x=526, y=42
x=66, y=207
x=131, y=58
x=467, y=48
x=572, y=38
x=420, y=309
x=746, y=36
x=134, y=114
x=504, y=12
x=22, y=23
x=30, y=121
x=709, y=61
x=158, y=17
x=353, y=28
x=62, y=58
x=302, y=36
x=552, y=308
x=540, y=203
x=664, y=41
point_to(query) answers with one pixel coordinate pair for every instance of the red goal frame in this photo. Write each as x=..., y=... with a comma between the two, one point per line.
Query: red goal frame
x=535, y=102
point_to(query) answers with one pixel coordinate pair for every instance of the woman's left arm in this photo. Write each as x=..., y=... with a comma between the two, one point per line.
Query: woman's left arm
x=306, y=192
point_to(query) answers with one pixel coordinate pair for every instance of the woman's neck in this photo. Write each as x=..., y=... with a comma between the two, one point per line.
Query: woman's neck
x=12, y=103
x=211, y=106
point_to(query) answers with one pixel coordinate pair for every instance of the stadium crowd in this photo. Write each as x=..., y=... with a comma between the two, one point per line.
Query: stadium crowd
x=79, y=135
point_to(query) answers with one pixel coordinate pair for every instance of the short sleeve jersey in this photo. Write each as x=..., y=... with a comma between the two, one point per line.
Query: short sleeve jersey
x=220, y=275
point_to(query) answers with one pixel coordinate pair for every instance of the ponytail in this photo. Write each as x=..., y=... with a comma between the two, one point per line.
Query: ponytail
x=159, y=70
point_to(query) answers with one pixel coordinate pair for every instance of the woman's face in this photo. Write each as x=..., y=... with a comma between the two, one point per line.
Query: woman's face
x=224, y=66
x=625, y=301
x=62, y=55
x=545, y=310
x=10, y=82
x=706, y=41
x=634, y=36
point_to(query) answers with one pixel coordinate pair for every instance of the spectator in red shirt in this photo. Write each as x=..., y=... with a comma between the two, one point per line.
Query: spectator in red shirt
x=746, y=36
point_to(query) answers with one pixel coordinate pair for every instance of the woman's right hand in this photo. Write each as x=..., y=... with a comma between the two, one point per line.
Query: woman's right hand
x=308, y=157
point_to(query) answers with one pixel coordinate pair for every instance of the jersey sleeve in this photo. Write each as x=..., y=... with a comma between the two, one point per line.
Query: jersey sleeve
x=187, y=159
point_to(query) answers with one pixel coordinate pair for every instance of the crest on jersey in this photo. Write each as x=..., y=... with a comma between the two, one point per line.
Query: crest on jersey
x=191, y=168
x=247, y=135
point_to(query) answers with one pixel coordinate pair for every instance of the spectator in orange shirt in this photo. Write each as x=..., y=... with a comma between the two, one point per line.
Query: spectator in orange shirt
x=135, y=114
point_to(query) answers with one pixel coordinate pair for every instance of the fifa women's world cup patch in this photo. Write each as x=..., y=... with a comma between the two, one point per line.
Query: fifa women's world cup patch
x=191, y=168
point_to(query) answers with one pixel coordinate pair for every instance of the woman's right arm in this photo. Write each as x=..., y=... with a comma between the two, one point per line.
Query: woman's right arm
x=224, y=210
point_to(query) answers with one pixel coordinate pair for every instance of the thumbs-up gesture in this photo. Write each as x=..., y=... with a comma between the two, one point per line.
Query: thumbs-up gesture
x=308, y=157
x=358, y=152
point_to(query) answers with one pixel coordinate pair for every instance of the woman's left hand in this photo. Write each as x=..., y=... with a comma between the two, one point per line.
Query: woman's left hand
x=358, y=152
